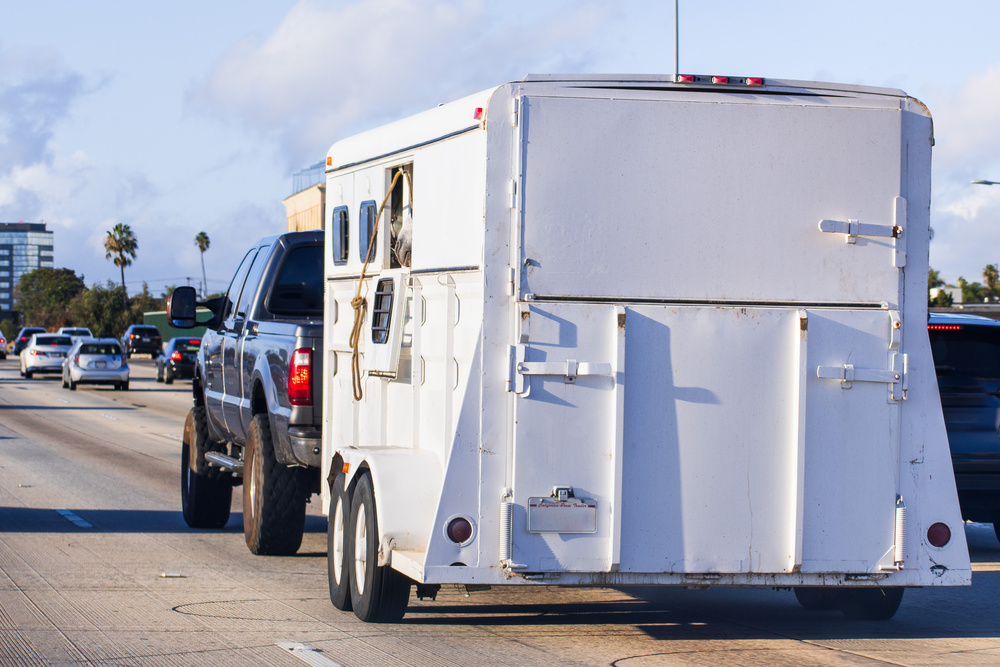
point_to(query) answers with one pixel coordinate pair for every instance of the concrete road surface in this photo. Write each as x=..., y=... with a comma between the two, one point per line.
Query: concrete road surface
x=97, y=567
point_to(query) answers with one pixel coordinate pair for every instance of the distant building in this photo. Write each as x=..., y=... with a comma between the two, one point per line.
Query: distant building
x=306, y=204
x=24, y=247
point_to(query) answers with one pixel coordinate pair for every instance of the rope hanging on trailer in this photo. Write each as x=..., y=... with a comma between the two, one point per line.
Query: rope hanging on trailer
x=360, y=303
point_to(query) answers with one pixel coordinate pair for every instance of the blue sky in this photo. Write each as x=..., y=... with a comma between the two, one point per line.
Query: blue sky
x=189, y=116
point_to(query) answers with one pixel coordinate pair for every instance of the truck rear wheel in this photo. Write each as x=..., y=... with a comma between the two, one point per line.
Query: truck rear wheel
x=379, y=594
x=870, y=604
x=338, y=557
x=274, y=496
x=206, y=492
x=817, y=598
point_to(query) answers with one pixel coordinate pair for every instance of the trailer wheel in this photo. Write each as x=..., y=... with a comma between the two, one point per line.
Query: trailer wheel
x=274, y=496
x=206, y=492
x=870, y=604
x=379, y=594
x=338, y=558
x=818, y=599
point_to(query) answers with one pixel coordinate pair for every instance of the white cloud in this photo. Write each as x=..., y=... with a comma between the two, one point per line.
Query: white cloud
x=336, y=67
x=966, y=217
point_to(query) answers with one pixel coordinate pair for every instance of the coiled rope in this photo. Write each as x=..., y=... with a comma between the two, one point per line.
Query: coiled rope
x=360, y=303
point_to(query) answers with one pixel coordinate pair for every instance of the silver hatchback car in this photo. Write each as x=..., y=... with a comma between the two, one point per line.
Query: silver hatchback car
x=95, y=361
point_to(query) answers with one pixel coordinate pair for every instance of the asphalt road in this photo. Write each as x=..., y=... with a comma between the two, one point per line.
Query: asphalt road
x=97, y=567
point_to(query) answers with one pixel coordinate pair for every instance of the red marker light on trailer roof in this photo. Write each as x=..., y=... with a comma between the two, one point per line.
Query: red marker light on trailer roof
x=685, y=78
x=720, y=79
x=478, y=114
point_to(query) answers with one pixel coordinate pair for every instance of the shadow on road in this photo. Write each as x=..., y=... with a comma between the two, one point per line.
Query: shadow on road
x=45, y=520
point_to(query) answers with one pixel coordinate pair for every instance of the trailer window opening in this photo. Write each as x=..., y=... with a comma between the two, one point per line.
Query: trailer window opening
x=341, y=235
x=366, y=222
x=381, y=310
x=400, y=255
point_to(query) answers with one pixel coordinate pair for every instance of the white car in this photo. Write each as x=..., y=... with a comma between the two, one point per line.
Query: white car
x=44, y=353
x=95, y=361
x=76, y=332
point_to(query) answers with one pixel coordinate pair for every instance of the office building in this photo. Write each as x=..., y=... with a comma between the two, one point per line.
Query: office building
x=24, y=247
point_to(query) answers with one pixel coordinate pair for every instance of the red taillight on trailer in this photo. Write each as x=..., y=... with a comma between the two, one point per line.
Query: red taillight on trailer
x=755, y=81
x=299, y=377
x=459, y=530
x=939, y=534
x=720, y=79
x=478, y=113
x=685, y=78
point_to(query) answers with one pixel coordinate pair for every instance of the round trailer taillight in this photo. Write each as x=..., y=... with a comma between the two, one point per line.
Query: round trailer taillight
x=939, y=534
x=459, y=530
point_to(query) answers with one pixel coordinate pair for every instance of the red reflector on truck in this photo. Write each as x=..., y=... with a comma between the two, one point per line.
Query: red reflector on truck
x=299, y=377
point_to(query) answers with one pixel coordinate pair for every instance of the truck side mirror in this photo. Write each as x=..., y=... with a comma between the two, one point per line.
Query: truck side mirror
x=181, y=307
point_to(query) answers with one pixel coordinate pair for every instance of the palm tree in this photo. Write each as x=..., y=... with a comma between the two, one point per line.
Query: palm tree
x=120, y=245
x=202, y=242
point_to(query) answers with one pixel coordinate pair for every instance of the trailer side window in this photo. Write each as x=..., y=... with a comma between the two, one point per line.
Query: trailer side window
x=341, y=235
x=381, y=311
x=366, y=222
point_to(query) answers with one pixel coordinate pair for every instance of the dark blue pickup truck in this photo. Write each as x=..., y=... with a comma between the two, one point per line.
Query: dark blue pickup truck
x=257, y=415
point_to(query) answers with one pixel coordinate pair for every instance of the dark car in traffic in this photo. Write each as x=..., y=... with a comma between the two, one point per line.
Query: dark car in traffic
x=966, y=350
x=142, y=339
x=178, y=361
x=22, y=338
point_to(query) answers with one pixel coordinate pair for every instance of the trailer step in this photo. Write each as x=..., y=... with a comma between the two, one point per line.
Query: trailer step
x=223, y=461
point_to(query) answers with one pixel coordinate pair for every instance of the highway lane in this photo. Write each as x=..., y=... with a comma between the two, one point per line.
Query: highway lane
x=98, y=568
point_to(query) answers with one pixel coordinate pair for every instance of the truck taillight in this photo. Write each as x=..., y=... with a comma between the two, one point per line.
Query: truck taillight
x=299, y=377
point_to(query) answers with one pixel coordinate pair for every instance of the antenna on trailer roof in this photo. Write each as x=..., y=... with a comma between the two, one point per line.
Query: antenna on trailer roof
x=677, y=42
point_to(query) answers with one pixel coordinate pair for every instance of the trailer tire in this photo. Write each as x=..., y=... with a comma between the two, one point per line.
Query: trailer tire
x=274, y=496
x=206, y=492
x=817, y=599
x=379, y=594
x=870, y=604
x=338, y=555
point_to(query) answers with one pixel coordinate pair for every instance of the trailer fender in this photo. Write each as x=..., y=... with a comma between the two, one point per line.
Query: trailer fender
x=407, y=485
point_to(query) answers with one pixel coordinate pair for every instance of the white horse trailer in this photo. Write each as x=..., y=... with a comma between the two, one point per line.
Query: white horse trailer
x=647, y=332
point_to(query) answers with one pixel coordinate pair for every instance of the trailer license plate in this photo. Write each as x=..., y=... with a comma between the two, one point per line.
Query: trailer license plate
x=548, y=515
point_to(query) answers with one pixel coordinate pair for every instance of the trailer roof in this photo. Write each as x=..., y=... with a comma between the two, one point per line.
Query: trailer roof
x=460, y=116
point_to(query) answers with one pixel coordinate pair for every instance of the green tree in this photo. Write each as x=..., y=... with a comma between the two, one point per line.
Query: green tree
x=120, y=246
x=102, y=309
x=992, y=278
x=44, y=296
x=145, y=302
x=972, y=292
x=202, y=241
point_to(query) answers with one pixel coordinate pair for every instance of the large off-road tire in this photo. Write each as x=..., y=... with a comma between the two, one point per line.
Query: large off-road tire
x=338, y=553
x=206, y=491
x=379, y=594
x=870, y=604
x=274, y=496
x=818, y=599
